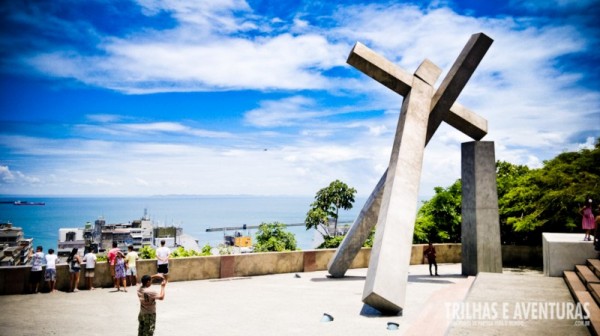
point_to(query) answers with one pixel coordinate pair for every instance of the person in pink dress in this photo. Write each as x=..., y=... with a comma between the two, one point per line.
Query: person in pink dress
x=587, y=220
x=120, y=271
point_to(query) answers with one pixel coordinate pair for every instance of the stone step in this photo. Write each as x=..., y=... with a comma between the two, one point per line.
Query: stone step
x=594, y=265
x=585, y=298
x=586, y=274
x=573, y=282
x=594, y=290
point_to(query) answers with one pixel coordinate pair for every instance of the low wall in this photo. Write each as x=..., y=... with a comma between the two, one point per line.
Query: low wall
x=15, y=279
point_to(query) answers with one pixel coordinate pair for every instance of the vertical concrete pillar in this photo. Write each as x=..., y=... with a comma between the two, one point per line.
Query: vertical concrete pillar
x=480, y=237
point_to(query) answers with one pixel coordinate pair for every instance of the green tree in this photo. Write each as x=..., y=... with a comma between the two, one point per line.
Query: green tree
x=548, y=199
x=530, y=201
x=439, y=218
x=274, y=237
x=327, y=204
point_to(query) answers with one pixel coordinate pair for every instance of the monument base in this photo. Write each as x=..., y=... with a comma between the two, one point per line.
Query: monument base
x=562, y=251
x=375, y=302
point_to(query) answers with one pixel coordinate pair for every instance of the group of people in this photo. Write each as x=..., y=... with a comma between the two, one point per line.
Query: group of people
x=37, y=261
x=122, y=267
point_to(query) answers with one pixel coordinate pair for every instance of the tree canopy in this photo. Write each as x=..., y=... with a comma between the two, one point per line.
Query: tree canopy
x=530, y=201
x=328, y=201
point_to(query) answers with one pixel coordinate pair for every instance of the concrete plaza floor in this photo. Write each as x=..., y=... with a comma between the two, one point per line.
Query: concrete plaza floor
x=281, y=304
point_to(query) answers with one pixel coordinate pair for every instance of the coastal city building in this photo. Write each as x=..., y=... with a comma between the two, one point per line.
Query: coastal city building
x=69, y=238
x=14, y=247
x=138, y=233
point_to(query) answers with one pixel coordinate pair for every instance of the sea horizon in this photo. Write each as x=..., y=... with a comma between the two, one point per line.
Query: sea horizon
x=193, y=213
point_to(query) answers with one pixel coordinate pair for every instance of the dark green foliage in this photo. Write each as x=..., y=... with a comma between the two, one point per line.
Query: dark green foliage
x=439, y=219
x=274, y=237
x=369, y=241
x=531, y=201
x=336, y=241
x=549, y=199
x=331, y=242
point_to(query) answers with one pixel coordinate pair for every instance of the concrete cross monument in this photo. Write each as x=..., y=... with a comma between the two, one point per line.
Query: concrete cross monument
x=392, y=205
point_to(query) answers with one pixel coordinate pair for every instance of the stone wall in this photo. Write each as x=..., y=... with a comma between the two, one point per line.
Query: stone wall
x=15, y=280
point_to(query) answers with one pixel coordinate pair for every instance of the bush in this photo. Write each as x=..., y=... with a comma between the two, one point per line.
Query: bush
x=147, y=252
x=180, y=252
x=331, y=242
x=206, y=250
x=274, y=237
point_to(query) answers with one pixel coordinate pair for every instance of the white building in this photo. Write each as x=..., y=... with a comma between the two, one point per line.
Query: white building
x=68, y=238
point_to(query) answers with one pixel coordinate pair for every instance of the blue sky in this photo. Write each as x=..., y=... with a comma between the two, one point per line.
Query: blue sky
x=255, y=97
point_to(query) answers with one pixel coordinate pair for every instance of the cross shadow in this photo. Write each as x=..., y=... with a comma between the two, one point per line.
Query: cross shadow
x=368, y=311
x=435, y=279
x=230, y=279
x=344, y=278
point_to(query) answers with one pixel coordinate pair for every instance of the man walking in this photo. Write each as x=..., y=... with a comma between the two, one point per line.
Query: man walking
x=430, y=254
x=148, y=297
x=162, y=254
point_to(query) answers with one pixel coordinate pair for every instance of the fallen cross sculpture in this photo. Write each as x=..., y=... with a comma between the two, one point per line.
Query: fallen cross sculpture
x=392, y=205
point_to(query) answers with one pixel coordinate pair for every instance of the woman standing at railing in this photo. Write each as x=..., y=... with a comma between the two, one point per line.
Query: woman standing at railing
x=74, y=261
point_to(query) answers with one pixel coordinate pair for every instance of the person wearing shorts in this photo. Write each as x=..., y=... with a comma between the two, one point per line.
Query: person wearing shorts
x=162, y=256
x=90, y=266
x=36, y=269
x=131, y=259
x=50, y=275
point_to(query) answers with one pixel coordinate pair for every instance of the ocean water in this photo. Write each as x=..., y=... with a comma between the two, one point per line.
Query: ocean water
x=194, y=214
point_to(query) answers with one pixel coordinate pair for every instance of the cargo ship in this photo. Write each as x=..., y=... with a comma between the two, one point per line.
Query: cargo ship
x=22, y=203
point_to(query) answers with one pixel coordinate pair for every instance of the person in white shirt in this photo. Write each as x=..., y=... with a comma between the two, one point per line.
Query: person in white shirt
x=90, y=265
x=37, y=260
x=162, y=254
x=50, y=275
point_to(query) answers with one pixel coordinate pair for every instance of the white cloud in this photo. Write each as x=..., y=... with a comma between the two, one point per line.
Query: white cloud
x=533, y=107
x=6, y=175
x=284, y=112
x=203, y=15
x=16, y=178
x=281, y=62
x=104, y=118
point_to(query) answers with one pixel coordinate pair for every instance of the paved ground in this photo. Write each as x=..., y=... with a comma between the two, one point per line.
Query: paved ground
x=281, y=304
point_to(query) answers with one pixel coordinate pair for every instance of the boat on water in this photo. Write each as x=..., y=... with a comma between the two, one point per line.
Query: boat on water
x=28, y=203
x=22, y=203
